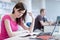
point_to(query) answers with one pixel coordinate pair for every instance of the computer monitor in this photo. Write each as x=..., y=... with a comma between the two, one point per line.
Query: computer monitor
x=58, y=20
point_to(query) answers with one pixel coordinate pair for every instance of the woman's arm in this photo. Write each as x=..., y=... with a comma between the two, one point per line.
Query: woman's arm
x=33, y=21
x=30, y=29
x=9, y=30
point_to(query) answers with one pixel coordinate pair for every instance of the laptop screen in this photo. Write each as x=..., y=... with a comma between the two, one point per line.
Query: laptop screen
x=58, y=20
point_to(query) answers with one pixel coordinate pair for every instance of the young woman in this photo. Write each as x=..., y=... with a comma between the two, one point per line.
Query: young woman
x=9, y=24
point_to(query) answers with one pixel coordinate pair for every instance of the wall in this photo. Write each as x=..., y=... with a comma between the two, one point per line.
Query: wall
x=36, y=6
x=53, y=9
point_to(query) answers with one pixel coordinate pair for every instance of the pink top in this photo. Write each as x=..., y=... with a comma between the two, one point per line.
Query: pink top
x=13, y=25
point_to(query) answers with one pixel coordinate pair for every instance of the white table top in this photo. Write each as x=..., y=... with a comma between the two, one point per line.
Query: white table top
x=19, y=37
x=27, y=38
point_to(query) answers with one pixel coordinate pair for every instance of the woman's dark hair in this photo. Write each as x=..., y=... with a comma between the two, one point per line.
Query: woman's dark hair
x=42, y=10
x=21, y=7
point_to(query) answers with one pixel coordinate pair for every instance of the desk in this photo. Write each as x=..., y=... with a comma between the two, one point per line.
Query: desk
x=21, y=38
x=17, y=38
x=50, y=29
x=28, y=38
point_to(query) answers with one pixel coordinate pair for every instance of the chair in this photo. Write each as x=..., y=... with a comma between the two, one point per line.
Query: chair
x=28, y=24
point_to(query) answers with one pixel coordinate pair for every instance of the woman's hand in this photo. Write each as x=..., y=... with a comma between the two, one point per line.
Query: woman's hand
x=31, y=15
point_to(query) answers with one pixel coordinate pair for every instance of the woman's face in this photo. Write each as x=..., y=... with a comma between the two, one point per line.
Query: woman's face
x=17, y=13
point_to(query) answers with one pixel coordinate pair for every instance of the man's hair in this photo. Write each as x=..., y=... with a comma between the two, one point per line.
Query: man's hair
x=42, y=10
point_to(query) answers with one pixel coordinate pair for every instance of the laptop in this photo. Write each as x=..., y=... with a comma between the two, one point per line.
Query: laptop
x=47, y=33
